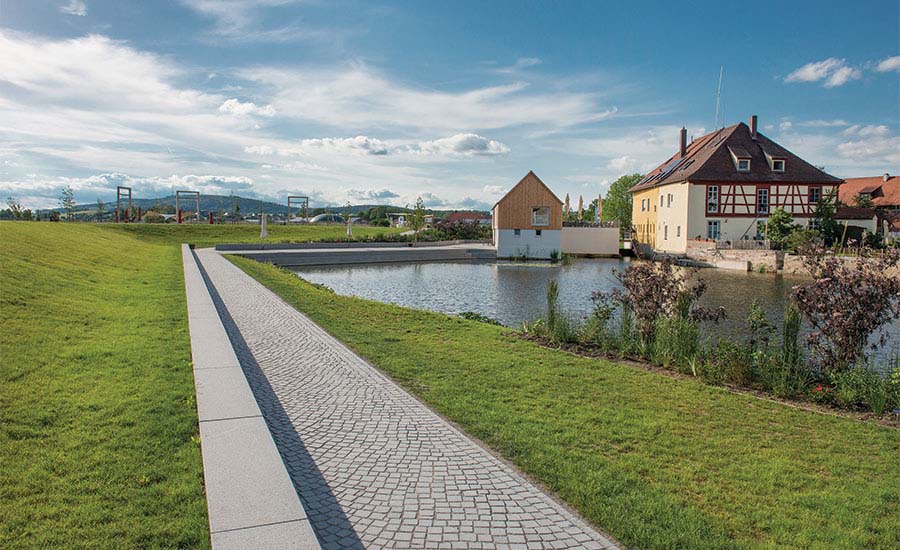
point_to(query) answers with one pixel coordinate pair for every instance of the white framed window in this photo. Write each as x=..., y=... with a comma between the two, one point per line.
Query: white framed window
x=712, y=230
x=762, y=201
x=669, y=200
x=540, y=215
x=538, y=232
x=743, y=165
x=661, y=198
x=712, y=198
x=815, y=195
x=778, y=165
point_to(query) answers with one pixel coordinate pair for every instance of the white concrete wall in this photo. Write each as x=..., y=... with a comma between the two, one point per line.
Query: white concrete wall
x=510, y=245
x=597, y=241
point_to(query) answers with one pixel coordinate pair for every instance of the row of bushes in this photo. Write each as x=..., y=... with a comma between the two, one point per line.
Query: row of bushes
x=654, y=318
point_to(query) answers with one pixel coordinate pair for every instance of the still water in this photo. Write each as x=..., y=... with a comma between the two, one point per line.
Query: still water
x=513, y=292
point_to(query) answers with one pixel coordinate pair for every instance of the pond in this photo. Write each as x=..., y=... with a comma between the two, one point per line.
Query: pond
x=514, y=293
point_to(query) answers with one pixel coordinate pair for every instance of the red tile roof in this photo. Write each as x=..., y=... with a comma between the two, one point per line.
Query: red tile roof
x=885, y=194
x=466, y=216
x=711, y=158
x=853, y=213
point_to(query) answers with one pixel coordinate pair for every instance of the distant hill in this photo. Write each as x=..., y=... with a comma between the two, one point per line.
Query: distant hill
x=225, y=203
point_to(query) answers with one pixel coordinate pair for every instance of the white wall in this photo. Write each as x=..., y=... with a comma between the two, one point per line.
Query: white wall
x=598, y=241
x=510, y=245
x=672, y=217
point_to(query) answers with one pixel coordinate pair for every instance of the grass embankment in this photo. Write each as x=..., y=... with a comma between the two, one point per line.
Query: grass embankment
x=203, y=235
x=657, y=462
x=97, y=410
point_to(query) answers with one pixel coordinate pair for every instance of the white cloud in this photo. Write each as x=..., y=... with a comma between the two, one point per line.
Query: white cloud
x=74, y=7
x=833, y=71
x=462, y=144
x=243, y=21
x=494, y=189
x=235, y=107
x=867, y=131
x=459, y=145
x=521, y=63
x=372, y=194
x=357, y=97
x=889, y=64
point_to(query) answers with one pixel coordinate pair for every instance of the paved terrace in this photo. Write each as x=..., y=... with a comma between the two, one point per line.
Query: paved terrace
x=374, y=467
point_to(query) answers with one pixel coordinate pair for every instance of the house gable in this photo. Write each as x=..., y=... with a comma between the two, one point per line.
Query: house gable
x=514, y=210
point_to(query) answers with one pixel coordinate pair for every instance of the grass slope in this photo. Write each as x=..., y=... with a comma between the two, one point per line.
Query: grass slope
x=203, y=235
x=97, y=409
x=655, y=461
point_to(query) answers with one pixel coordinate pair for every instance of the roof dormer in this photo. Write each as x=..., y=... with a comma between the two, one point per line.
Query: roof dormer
x=741, y=158
x=776, y=162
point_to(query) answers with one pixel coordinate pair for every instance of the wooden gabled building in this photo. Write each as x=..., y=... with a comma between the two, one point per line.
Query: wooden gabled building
x=527, y=221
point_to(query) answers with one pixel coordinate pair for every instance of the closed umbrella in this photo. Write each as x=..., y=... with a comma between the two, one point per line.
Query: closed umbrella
x=580, y=208
x=263, y=227
x=599, y=208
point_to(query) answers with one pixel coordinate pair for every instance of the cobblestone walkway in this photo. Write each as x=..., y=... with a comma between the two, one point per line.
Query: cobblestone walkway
x=374, y=467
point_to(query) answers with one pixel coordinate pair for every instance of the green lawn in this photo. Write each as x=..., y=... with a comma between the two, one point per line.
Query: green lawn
x=98, y=422
x=656, y=462
x=204, y=235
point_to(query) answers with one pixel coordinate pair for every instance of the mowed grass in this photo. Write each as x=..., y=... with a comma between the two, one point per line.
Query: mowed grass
x=203, y=235
x=98, y=423
x=656, y=462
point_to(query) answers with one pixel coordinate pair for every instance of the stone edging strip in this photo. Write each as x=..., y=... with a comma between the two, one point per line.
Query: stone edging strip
x=250, y=498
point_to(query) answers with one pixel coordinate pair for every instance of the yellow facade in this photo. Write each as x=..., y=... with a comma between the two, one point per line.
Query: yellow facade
x=644, y=215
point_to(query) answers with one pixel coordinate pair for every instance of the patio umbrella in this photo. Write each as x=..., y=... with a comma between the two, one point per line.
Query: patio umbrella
x=580, y=208
x=263, y=228
x=599, y=208
x=566, y=208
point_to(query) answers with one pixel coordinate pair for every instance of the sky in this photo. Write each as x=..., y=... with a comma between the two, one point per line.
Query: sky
x=376, y=102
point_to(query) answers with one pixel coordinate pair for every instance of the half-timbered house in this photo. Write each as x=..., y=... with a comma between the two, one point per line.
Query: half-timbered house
x=722, y=187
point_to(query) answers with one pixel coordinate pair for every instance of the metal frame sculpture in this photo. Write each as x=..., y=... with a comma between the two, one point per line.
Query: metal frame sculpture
x=178, y=194
x=303, y=202
x=120, y=193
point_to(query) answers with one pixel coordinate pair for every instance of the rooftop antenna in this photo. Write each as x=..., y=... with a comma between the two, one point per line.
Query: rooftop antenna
x=719, y=98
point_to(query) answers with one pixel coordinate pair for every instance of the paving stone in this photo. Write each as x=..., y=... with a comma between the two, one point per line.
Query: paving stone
x=224, y=393
x=366, y=457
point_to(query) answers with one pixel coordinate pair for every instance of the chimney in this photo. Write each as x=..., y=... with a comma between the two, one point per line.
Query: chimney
x=753, y=127
x=683, y=148
x=886, y=177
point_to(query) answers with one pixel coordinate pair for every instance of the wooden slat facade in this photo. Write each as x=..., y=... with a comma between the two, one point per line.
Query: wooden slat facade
x=513, y=211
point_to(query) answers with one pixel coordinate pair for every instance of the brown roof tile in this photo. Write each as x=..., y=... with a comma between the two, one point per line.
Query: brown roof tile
x=709, y=158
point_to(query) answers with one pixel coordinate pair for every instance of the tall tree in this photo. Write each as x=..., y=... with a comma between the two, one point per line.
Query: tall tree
x=779, y=228
x=823, y=218
x=15, y=207
x=101, y=209
x=417, y=220
x=617, y=204
x=67, y=202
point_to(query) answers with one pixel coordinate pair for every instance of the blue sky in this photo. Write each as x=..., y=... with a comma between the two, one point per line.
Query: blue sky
x=381, y=102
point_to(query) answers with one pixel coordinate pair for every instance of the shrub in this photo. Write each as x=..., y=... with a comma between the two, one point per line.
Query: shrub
x=554, y=256
x=861, y=385
x=658, y=289
x=676, y=342
x=560, y=328
x=473, y=316
x=781, y=378
x=847, y=303
x=732, y=362
x=790, y=336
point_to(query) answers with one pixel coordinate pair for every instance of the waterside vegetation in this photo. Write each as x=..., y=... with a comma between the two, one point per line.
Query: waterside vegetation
x=654, y=318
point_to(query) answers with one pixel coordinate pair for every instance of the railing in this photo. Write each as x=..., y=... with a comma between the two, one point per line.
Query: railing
x=612, y=224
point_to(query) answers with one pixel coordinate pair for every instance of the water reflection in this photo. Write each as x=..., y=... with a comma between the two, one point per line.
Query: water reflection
x=513, y=293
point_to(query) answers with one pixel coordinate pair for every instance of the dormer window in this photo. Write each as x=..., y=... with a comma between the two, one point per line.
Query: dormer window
x=741, y=159
x=778, y=165
x=743, y=165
